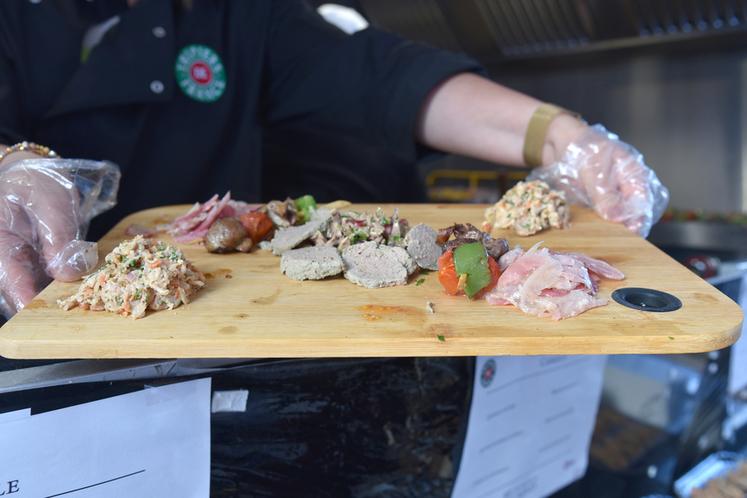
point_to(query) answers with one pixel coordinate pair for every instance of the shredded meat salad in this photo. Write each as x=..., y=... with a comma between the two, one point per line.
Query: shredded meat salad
x=138, y=275
x=529, y=207
x=346, y=228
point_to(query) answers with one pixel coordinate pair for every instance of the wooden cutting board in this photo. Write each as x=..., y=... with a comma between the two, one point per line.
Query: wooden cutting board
x=249, y=309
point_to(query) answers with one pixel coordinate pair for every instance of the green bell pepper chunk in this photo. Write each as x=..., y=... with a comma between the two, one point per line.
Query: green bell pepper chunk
x=305, y=205
x=472, y=259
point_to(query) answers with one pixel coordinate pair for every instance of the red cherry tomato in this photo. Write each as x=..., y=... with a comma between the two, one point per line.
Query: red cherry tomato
x=257, y=224
x=447, y=274
x=449, y=279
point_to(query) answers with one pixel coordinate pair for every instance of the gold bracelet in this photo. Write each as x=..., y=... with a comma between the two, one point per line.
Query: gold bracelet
x=534, y=140
x=40, y=150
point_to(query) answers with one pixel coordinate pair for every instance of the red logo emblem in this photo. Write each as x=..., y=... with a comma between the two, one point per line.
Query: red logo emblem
x=201, y=73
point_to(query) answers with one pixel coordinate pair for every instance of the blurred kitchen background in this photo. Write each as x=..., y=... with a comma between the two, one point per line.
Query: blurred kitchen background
x=663, y=74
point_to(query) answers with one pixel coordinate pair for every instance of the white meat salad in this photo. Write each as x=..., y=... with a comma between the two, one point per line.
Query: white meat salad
x=529, y=207
x=138, y=275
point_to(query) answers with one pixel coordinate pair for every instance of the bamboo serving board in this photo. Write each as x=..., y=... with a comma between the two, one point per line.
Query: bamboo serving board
x=249, y=309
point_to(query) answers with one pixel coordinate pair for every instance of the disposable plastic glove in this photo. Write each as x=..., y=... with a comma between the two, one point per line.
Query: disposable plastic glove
x=45, y=208
x=600, y=171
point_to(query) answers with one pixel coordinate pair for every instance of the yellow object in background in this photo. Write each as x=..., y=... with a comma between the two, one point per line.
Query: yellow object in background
x=476, y=186
x=339, y=204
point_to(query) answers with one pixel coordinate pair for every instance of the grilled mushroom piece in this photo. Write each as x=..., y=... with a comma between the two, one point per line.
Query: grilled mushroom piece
x=227, y=235
x=465, y=233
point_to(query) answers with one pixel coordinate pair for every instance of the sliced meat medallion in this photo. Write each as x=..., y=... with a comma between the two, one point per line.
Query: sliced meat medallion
x=402, y=256
x=287, y=238
x=372, y=265
x=421, y=245
x=311, y=263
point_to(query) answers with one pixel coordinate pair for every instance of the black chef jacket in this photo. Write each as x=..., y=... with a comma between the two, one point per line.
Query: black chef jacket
x=278, y=62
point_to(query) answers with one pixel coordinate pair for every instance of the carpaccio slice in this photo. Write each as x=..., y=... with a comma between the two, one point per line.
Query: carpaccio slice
x=545, y=283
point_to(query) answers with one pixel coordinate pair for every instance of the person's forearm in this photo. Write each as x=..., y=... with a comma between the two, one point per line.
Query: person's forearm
x=472, y=116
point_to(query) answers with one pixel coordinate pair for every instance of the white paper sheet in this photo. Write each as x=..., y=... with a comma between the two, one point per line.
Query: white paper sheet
x=230, y=401
x=530, y=425
x=154, y=442
x=14, y=415
x=738, y=359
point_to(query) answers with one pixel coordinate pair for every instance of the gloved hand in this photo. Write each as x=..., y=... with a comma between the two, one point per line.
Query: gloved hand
x=599, y=170
x=45, y=207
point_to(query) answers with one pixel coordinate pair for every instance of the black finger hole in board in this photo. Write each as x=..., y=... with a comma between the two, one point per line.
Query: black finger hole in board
x=643, y=299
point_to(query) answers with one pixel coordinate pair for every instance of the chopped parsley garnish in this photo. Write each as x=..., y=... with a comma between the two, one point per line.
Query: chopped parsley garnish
x=419, y=282
x=358, y=236
x=441, y=338
x=305, y=205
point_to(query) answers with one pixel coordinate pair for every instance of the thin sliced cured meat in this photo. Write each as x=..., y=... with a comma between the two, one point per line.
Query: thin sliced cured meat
x=214, y=212
x=599, y=267
x=236, y=208
x=193, y=225
x=508, y=258
x=545, y=283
